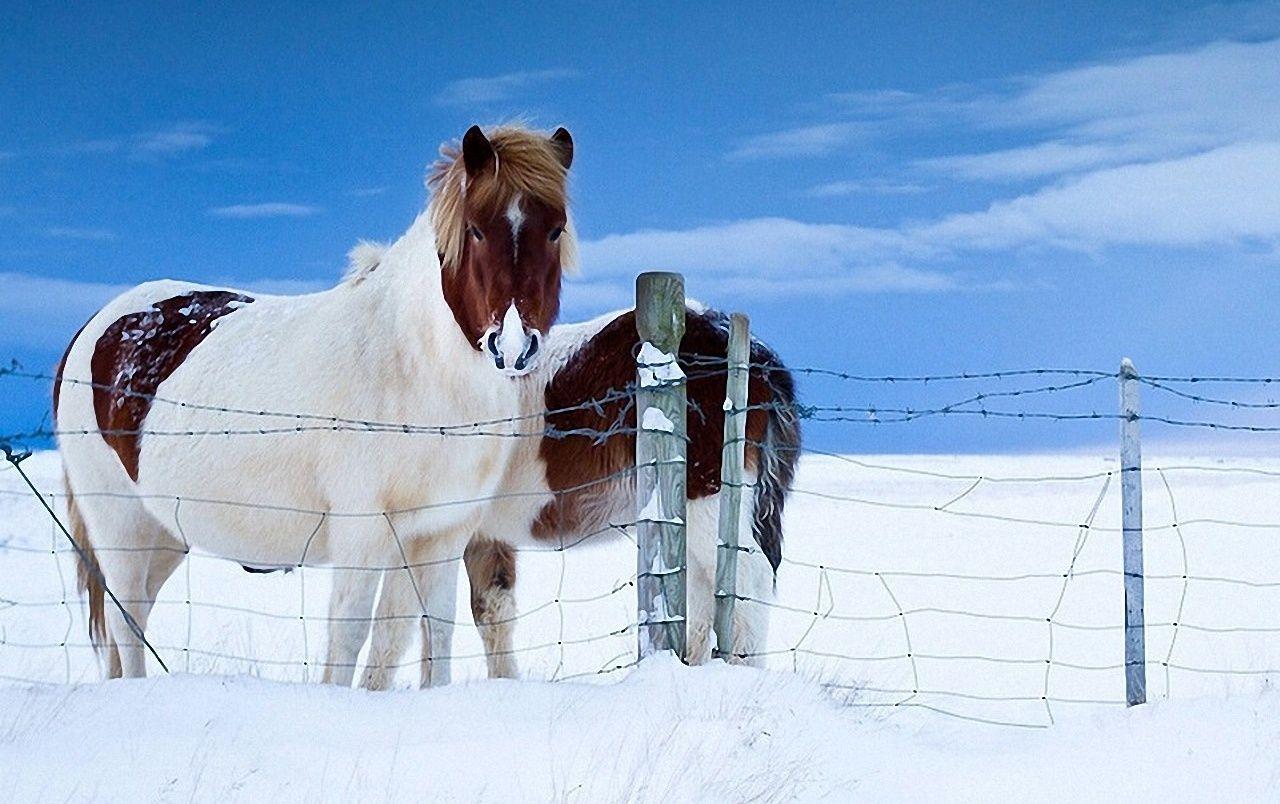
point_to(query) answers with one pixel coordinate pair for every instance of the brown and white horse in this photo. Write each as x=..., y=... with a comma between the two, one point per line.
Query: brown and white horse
x=158, y=400
x=569, y=484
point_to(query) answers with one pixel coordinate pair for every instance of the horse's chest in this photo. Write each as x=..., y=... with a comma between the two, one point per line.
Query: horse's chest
x=448, y=484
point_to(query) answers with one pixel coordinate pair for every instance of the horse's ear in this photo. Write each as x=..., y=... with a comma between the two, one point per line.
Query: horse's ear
x=565, y=143
x=477, y=151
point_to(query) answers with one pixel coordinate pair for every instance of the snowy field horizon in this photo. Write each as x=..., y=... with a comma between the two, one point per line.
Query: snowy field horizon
x=940, y=614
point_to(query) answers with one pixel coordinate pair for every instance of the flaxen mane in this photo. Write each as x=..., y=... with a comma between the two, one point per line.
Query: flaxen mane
x=528, y=163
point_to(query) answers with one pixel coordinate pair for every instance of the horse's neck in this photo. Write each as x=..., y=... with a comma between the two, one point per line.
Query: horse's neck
x=409, y=300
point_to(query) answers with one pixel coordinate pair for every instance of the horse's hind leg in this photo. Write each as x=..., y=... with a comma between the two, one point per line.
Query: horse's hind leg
x=753, y=586
x=751, y=615
x=144, y=556
x=701, y=534
x=491, y=570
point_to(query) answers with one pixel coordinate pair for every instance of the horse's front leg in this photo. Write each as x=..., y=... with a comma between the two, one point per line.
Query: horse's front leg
x=392, y=630
x=438, y=587
x=426, y=592
x=350, y=604
x=491, y=571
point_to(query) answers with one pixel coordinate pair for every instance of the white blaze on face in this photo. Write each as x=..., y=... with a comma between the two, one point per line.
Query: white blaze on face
x=511, y=339
x=515, y=216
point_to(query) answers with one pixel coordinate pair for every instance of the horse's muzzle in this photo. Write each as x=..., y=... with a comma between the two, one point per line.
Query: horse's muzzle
x=513, y=356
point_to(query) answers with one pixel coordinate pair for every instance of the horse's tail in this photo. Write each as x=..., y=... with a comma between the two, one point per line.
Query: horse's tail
x=778, y=450
x=88, y=573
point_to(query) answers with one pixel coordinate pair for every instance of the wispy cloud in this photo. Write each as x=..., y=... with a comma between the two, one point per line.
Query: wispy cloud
x=497, y=88
x=1178, y=149
x=79, y=233
x=1224, y=198
x=158, y=144
x=176, y=139
x=1036, y=161
x=43, y=312
x=271, y=209
x=775, y=256
x=1126, y=111
x=801, y=141
x=867, y=187
x=1229, y=196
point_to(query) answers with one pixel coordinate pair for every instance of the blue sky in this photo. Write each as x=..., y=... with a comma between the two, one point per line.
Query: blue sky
x=921, y=187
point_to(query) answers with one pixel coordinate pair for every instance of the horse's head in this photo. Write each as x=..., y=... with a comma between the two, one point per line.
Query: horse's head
x=501, y=218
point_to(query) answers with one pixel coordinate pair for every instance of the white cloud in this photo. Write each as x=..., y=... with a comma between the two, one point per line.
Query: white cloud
x=44, y=312
x=1164, y=150
x=1036, y=161
x=758, y=246
x=175, y=139
x=79, y=233
x=802, y=141
x=773, y=256
x=867, y=187
x=1228, y=196
x=497, y=88
x=1137, y=109
x=163, y=143
x=273, y=209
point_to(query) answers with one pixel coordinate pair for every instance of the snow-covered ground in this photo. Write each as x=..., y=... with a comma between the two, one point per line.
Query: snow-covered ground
x=919, y=607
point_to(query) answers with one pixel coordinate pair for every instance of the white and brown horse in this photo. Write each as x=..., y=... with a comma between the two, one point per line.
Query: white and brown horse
x=158, y=400
x=570, y=484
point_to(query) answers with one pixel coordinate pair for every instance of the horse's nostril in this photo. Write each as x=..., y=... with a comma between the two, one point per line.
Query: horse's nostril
x=492, y=343
x=532, y=348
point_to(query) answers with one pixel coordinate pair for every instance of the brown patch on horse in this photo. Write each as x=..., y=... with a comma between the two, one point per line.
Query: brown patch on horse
x=579, y=466
x=490, y=260
x=141, y=350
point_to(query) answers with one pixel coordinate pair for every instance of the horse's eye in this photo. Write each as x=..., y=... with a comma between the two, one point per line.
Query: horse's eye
x=555, y=233
x=474, y=232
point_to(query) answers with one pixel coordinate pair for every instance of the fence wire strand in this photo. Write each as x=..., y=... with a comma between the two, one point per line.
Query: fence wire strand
x=827, y=630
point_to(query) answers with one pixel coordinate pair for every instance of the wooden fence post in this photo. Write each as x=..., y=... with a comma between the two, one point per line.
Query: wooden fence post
x=1135, y=652
x=660, y=464
x=732, y=471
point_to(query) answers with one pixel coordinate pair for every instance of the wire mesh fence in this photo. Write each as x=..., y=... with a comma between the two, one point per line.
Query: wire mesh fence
x=987, y=587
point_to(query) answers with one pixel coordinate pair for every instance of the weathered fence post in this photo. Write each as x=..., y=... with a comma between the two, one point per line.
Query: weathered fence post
x=660, y=464
x=731, y=473
x=1135, y=651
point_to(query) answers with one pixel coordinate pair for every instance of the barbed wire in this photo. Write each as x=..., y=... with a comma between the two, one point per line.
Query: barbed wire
x=916, y=622
x=335, y=423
